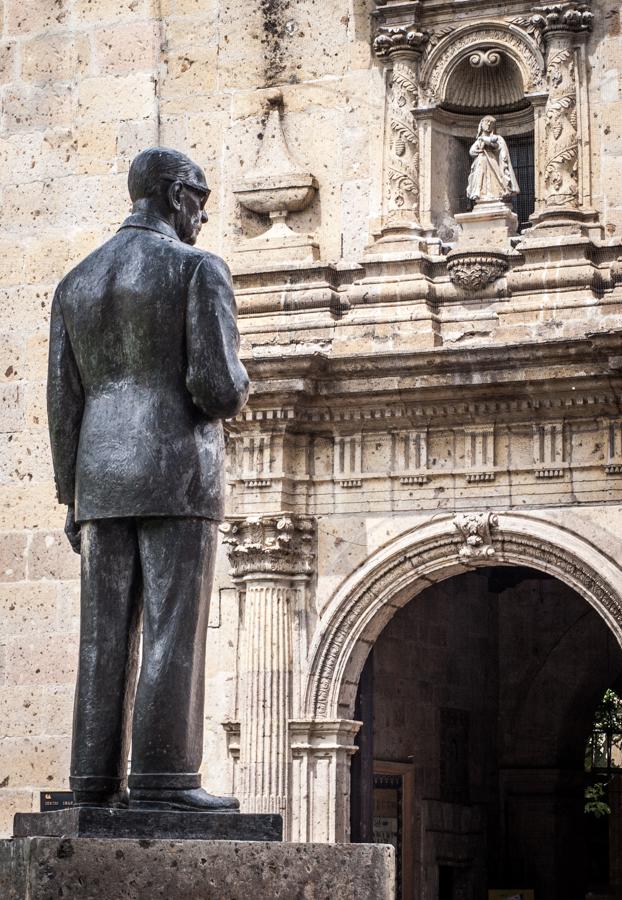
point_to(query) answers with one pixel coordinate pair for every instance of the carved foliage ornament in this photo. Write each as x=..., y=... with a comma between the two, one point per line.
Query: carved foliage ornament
x=278, y=544
x=562, y=140
x=557, y=24
x=473, y=271
x=402, y=170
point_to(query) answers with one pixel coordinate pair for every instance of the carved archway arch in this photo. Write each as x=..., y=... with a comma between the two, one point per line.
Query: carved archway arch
x=447, y=546
x=448, y=53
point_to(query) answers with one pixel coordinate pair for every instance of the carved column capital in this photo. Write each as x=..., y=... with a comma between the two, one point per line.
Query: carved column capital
x=563, y=18
x=279, y=544
x=401, y=39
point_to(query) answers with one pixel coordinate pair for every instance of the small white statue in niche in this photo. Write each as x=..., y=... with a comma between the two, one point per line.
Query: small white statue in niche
x=492, y=176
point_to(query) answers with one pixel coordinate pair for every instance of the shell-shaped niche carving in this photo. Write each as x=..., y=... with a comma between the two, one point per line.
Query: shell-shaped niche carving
x=486, y=80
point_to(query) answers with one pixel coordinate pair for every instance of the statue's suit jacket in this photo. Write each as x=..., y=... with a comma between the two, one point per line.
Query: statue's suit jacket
x=143, y=367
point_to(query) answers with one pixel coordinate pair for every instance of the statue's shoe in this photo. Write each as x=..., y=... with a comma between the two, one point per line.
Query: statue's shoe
x=101, y=799
x=196, y=800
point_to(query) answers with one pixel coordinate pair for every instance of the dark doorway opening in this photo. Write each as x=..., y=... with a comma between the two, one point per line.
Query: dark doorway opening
x=484, y=688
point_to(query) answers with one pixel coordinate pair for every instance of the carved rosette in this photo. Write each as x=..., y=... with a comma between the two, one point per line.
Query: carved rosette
x=559, y=26
x=271, y=544
x=474, y=271
x=476, y=532
x=400, y=48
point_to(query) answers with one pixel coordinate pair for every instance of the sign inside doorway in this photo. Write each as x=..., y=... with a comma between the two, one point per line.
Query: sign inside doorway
x=393, y=817
x=511, y=894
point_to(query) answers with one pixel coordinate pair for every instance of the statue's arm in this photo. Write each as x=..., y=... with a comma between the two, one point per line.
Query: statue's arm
x=476, y=148
x=215, y=377
x=65, y=400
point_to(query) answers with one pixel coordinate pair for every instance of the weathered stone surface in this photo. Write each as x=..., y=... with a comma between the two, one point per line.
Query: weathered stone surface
x=151, y=824
x=42, y=868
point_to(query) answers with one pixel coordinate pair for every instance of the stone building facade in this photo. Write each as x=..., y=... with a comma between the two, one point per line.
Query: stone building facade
x=436, y=399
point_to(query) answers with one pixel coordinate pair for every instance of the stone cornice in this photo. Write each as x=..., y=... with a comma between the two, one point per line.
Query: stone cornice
x=282, y=544
x=591, y=351
x=336, y=289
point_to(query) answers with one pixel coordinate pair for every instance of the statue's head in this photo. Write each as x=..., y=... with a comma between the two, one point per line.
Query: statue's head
x=487, y=125
x=171, y=185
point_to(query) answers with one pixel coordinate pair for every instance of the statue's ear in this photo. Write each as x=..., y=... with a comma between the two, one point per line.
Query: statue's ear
x=174, y=195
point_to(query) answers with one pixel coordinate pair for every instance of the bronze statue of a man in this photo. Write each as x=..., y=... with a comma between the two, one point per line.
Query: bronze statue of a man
x=143, y=368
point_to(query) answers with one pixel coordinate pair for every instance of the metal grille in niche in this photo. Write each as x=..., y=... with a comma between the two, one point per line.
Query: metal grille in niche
x=522, y=156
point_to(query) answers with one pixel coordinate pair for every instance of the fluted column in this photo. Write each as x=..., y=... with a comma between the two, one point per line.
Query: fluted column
x=272, y=559
x=564, y=27
x=398, y=44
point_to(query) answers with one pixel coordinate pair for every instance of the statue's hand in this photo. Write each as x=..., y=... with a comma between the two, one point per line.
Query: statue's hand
x=72, y=530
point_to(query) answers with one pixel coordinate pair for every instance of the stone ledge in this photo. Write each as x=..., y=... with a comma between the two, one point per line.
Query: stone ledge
x=150, y=824
x=92, y=869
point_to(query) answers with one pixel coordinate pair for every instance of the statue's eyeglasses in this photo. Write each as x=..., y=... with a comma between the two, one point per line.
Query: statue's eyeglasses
x=201, y=189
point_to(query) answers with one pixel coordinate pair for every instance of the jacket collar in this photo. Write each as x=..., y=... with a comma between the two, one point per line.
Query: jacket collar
x=151, y=223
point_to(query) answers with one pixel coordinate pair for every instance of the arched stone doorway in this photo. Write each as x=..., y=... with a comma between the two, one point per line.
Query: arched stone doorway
x=446, y=546
x=322, y=742
x=476, y=702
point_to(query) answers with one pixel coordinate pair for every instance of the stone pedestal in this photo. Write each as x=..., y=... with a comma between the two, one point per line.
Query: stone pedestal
x=116, y=869
x=490, y=225
x=480, y=257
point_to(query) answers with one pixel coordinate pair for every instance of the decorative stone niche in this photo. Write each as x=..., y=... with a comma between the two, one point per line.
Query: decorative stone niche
x=277, y=186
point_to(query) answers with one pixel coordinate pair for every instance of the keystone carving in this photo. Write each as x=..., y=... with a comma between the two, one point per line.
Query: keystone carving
x=475, y=529
x=271, y=544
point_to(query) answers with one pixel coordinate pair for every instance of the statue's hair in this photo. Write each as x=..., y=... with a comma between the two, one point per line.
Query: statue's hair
x=156, y=165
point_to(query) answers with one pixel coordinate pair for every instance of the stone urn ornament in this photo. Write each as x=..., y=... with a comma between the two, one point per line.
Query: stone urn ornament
x=277, y=186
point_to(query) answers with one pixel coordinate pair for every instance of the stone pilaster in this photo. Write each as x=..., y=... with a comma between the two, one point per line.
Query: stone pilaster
x=399, y=44
x=564, y=28
x=272, y=560
x=321, y=753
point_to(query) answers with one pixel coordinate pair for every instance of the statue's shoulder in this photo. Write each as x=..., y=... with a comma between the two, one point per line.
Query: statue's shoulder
x=212, y=264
